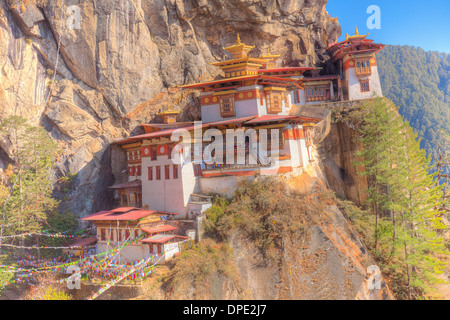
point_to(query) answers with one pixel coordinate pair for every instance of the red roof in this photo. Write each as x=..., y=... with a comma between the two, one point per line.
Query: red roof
x=162, y=238
x=321, y=78
x=130, y=184
x=254, y=119
x=287, y=69
x=83, y=242
x=124, y=214
x=123, y=209
x=271, y=118
x=170, y=131
x=154, y=134
x=159, y=229
x=237, y=120
x=243, y=78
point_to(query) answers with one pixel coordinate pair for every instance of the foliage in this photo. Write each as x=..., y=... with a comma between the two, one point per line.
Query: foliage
x=47, y=289
x=419, y=83
x=5, y=277
x=63, y=222
x=263, y=211
x=213, y=214
x=26, y=186
x=197, y=263
x=403, y=198
x=57, y=222
x=55, y=294
x=28, y=180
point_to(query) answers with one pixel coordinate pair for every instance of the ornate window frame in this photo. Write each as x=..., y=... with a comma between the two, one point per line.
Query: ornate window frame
x=227, y=106
x=364, y=85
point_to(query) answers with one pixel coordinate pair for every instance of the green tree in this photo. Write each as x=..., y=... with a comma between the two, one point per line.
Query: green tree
x=5, y=274
x=402, y=195
x=28, y=180
x=418, y=82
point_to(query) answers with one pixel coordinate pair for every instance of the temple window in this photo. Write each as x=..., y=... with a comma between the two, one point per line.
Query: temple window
x=296, y=96
x=197, y=170
x=150, y=173
x=363, y=67
x=154, y=154
x=318, y=93
x=175, y=171
x=167, y=172
x=364, y=85
x=280, y=140
x=274, y=102
x=158, y=173
x=102, y=234
x=227, y=108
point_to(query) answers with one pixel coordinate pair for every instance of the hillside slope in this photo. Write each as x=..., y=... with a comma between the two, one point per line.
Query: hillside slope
x=419, y=83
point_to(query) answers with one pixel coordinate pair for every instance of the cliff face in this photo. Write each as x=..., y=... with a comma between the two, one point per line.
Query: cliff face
x=91, y=71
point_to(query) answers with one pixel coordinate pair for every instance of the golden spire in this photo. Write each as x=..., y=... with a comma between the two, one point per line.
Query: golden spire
x=269, y=55
x=239, y=49
x=356, y=36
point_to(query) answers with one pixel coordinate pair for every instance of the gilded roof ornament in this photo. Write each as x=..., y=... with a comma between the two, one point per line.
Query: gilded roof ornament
x=269, y=55
x=356, y=36
x=238, y=46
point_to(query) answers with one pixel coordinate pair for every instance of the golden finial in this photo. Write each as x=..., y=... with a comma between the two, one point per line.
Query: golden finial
x=238, y=41
x=356, y=36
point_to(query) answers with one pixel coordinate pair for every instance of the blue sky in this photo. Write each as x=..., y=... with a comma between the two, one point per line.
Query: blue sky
x=418, y=23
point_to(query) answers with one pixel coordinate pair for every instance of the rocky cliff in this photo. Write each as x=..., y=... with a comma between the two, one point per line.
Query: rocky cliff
x=91, y=71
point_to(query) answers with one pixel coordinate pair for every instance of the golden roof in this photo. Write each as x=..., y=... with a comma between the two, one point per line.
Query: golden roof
x=356, y=36
x=269, y=56
x=168, y=112
x=238, y=46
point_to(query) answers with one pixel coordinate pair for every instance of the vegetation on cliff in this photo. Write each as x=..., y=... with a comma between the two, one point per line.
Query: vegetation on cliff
x=195, y=268
x=265, y=212
x=26, y=187
x=26, y=183
x=404, y=204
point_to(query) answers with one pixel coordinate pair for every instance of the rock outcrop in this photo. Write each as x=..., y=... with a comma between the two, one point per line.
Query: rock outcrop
x=91, y=71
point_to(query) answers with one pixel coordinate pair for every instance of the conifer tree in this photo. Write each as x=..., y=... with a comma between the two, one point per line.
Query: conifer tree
x=28, y=180
x=403, y=195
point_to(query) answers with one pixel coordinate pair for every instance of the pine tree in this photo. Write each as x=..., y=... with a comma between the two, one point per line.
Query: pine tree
x=441, y=159
x=402, y=195
x=29, y=179
x=421, y=221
